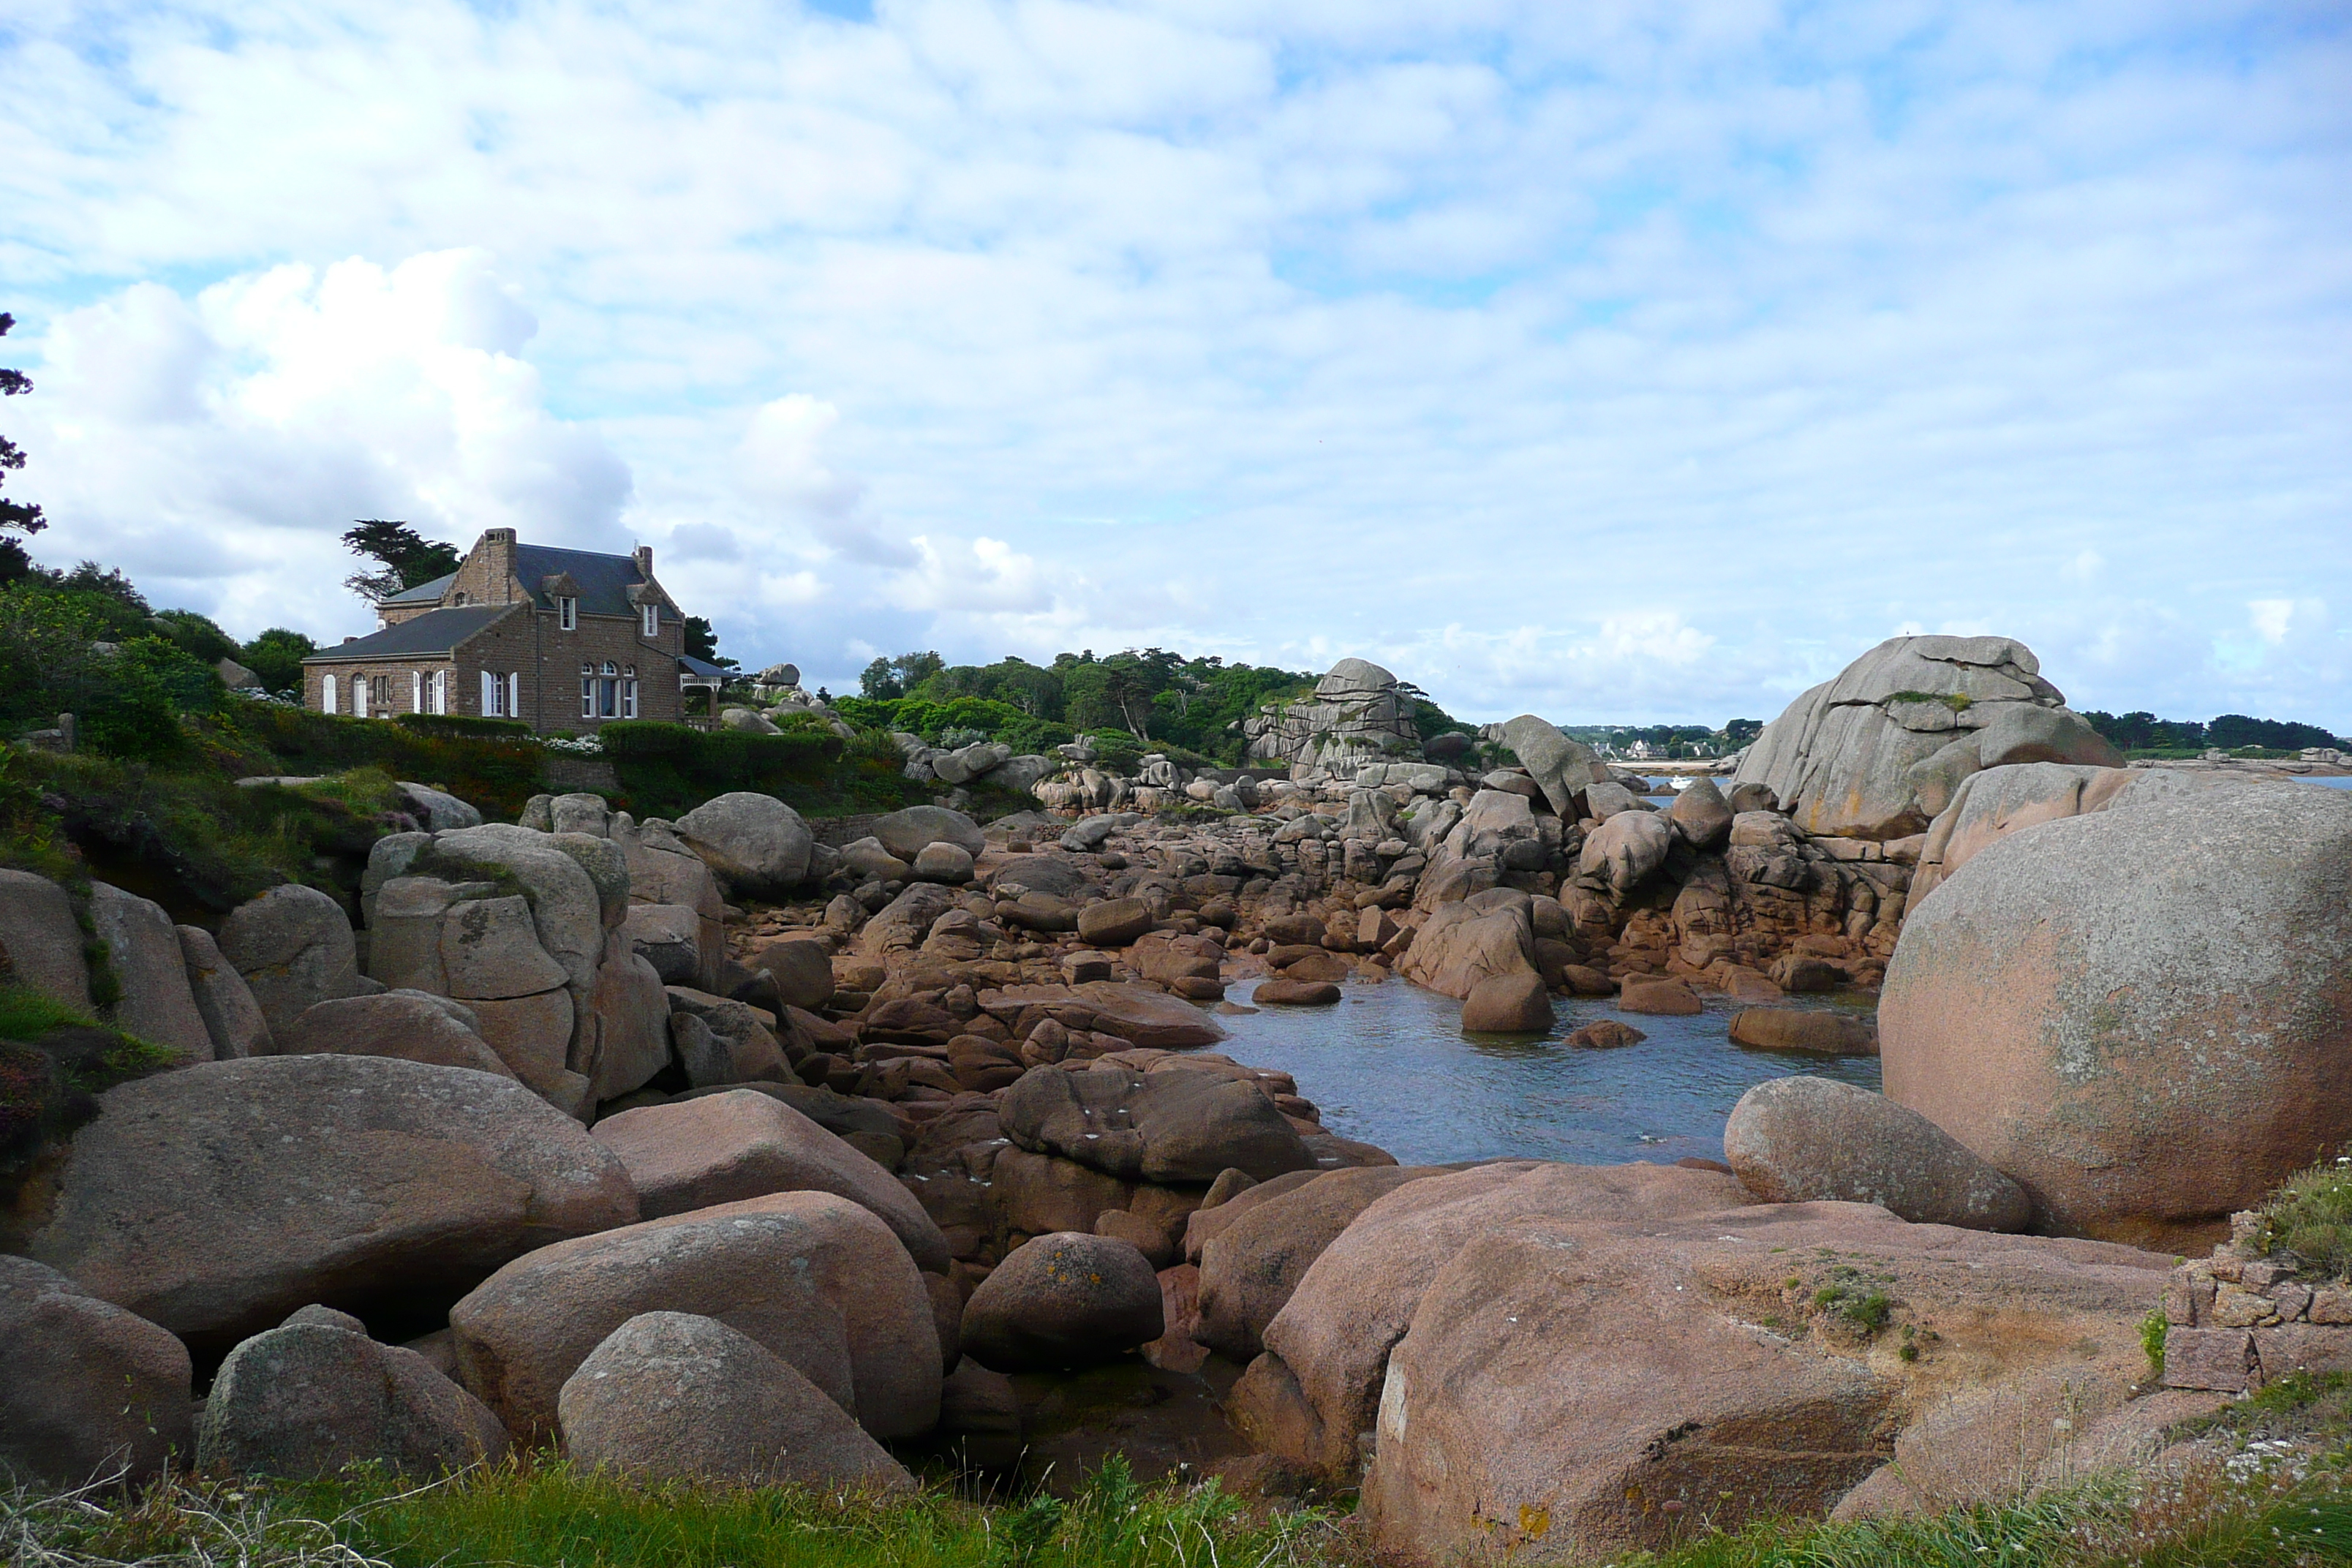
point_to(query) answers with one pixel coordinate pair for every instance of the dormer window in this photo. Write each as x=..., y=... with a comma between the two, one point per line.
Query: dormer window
x=651, y=617
x=459, y=599
x=567, y=612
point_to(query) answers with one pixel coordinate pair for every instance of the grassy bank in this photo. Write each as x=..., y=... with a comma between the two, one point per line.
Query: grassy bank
x=542, y=1514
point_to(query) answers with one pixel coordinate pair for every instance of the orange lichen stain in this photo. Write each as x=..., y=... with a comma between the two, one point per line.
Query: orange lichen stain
x=1534, y=1522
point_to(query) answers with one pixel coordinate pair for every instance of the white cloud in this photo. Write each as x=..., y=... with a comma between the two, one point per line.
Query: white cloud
x=1606, y=361
x=2270, y=618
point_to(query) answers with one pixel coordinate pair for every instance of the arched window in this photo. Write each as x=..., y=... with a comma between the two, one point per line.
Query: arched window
x=326, y=694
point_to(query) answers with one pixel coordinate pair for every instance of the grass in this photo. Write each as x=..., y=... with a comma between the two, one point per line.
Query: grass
x=530, y=1513
x=527, y=1513
x=2311, y=1216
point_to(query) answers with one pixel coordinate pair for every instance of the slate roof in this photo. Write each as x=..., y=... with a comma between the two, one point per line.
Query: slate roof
x=435, y=633
x=702, y=667
x=605, y=580
x=424, y=592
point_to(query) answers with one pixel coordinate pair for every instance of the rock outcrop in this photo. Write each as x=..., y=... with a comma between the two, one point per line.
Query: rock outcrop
x=1360, y=713
x=88, y=1391
x=1063, y=1301
x=1880, y=751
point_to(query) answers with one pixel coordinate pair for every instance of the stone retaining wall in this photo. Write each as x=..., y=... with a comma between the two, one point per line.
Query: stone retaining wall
x=2234, y=1323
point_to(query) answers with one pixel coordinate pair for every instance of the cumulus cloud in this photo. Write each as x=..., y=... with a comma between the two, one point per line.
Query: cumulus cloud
x=215, y=448
x=1604, y=361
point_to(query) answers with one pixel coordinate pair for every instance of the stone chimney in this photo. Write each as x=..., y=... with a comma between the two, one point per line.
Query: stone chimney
x=496, y=549
x=645, y=555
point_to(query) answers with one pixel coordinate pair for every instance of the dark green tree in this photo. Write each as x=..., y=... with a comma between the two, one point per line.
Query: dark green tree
x=407, y=558
x=277, y=656
x=702, y=643
x=15, y=515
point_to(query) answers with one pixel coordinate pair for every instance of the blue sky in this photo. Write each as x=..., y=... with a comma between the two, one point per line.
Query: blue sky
x=1607, y=361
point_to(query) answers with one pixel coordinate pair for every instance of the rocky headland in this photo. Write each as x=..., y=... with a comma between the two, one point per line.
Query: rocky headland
x=859, y=1141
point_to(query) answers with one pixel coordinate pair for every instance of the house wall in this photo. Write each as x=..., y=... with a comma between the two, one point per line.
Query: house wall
x=396, y=673
x=547, y=659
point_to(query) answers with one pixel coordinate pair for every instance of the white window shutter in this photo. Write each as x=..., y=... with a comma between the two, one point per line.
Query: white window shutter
x=359, y=696
x=489, y=695
x=326, y=694
x=514, y=694
x=417, y=691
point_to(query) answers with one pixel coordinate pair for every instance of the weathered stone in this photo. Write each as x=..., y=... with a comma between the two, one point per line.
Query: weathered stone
x=40, y=942
x=1518, y=1414
x=676, y=1396
x=629, y=1008
x=1625, y=850
x=1333, y=1337
x=1561, y=767
x=1063, y=1301
x=293, y=945
x=1155, y=1127
x=412, y=1026
x=906, y=834
x=216, y=1199
x=2137, y=1014
x=1701, y=815
x=1250, y=1265
x=88, y=1391
x=1507, y=1004
x=2221, y=1359
x=694, y=1154
x=801, y=968
x=1879, y=751
x=222, y=999
x=1283, y=992
x=1460, y=944
x=1145, y=1018
x=1114, y=922
x=947, y=863
x=815, y=1278
x=1796, y=1140
x=303, y=1400
x=143, y=950
x=1664, y=997
x=758, y=846
x=1804, y=1029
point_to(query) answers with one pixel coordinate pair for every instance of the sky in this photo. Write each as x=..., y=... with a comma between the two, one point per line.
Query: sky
x=1612, y=361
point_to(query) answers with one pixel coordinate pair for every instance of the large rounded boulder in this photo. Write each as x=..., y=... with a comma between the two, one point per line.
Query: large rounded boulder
x=678, y=1396
x=2144, y=1015
x=216, y=1199
x=87, y=1389
x=758, y=846
x=1063, y=1301
x=1802, y=1139
x=814, y=1277
x=306, y=1399
x=906, y=833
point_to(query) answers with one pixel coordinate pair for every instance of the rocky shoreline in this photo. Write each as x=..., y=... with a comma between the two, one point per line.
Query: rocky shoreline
x=707, y=1149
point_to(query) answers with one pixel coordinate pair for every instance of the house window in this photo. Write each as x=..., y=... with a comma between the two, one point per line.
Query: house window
x=502, y=695
x=459, y=599
x=380, y=693
x=359, y=696
x=567, y=612
x=629, y=692
x=440, y=691
x=326, y=694
x=652, y=617
x=417, y=691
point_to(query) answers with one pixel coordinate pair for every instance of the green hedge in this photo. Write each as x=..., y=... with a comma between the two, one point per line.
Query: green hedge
x=463, y=725
x=666, y=770
x=499, y=770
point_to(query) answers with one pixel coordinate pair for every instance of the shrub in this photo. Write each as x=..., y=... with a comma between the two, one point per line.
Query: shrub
x=2311, y=1216
x=668, y=769
x=465, y=725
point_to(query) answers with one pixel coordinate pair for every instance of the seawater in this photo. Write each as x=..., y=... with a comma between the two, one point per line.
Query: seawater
x=1389, y=1065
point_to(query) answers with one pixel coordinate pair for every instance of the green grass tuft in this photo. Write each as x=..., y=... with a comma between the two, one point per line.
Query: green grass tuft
x=2311, y=1216
x=2152, y=1330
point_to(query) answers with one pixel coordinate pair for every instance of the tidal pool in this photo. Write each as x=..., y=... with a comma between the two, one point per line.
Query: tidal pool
x=1389, y=1065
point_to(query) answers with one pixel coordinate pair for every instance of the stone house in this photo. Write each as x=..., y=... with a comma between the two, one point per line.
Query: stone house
x=561, y=640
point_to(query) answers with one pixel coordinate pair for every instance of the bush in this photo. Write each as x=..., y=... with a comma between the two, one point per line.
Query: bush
x=2311, y=1216
x=666, y=770
x=497, y=770
x=464, y=725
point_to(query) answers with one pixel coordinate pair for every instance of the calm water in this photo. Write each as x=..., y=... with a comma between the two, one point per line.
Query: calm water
x=1391, y=1065
x=2342, y=781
